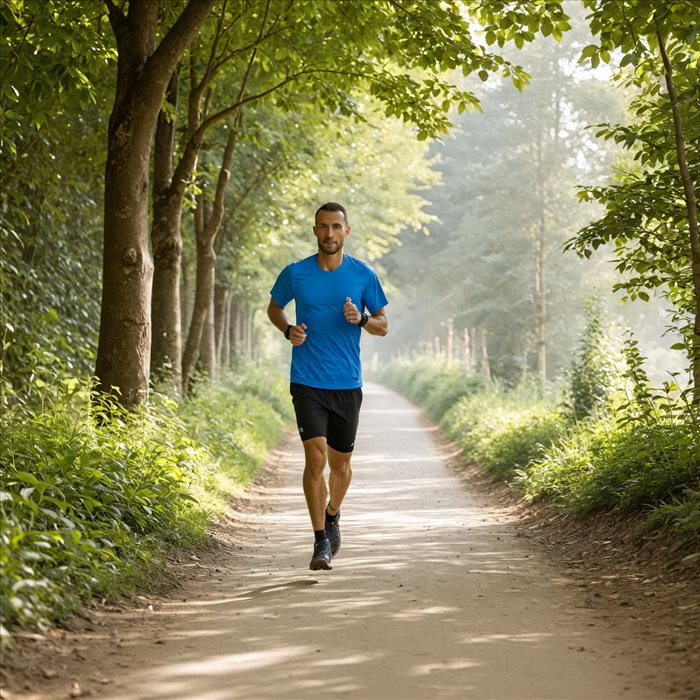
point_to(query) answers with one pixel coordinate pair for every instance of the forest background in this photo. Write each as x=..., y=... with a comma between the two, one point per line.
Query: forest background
x=161, y=162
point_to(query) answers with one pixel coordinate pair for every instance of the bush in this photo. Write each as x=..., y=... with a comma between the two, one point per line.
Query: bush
x=594, y=372
x=500, y=434
x=92, y=497
x=617, y=464
x=83, y=507
x=679, y=523
x=433, y=383
x=239, y=419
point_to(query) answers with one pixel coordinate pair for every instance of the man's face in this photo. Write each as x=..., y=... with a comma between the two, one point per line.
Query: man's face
x=330, y=231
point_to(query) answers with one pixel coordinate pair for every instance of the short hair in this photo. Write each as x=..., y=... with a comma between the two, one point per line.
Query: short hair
x=331, y=206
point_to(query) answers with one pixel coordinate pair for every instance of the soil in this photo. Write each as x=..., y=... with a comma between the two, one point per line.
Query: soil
x=446, y=586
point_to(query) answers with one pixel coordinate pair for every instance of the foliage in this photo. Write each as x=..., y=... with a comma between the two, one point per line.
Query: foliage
x=53, y=59
x=508, y=180
x=643, y=455
x=647, y=209
x=239, y=419
x=432, y=383
x=594, y=373
x=502, y=433
x=604, y=464
x=91, y=497
x=678, y=521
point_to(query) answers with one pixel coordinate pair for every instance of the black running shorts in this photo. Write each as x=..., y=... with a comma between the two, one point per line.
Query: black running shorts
x=331, y=413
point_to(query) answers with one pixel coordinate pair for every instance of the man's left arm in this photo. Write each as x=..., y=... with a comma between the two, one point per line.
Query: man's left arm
x=377, y=323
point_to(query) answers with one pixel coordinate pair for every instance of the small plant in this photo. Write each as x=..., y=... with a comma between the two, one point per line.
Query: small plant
x=594, y=372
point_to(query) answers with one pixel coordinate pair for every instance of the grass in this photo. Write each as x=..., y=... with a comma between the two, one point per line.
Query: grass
x=93, y=497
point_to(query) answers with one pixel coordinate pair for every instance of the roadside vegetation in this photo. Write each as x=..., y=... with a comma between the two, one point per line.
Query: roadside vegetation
x=607, y=441
x=92, y=497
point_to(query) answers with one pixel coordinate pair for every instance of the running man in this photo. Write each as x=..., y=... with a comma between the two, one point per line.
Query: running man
x=336, y=297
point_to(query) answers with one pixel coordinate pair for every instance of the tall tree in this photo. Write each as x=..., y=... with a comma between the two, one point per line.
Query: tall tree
x=505, y=206
x=651, y=211
x=143, y=74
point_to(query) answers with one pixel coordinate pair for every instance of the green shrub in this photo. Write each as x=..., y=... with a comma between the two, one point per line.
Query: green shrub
x=239, y=419
x=604, y=463
x=678, y=522
x=432, y=383
x=92, y=497
x=84, y=509
x=594, y=372
x=500, y=434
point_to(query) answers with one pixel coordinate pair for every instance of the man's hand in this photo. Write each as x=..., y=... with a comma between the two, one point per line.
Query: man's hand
x=352, y=315
x=297, y=334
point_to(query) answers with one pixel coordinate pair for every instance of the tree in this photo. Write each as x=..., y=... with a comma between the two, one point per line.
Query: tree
x=143, y=75
x=506, y=205
x=651, y=210
x=54, y=76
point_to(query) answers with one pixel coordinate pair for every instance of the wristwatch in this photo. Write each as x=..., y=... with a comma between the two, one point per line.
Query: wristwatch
x=286, y=333
x=363, y=320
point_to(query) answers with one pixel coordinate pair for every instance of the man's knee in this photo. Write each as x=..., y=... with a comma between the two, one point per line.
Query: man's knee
x=315, y=453
x=339, y=462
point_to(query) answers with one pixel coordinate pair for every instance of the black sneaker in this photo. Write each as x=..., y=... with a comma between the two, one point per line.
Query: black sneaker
x=322, y=556
x=333, y=532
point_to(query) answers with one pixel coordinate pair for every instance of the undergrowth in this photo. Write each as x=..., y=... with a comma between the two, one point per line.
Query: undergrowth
x=92, y=497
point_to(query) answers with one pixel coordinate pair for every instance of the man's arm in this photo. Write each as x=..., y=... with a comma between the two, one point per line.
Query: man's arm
x=275, y=312
x=377, y=323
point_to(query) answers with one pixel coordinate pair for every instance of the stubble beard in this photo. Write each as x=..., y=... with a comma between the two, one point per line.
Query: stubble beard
x=323, y=249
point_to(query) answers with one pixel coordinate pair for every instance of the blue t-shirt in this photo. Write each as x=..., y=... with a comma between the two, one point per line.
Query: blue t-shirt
x=329, y=358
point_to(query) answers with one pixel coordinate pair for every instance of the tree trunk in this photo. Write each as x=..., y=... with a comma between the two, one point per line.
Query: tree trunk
x=235, y=330
x=186, y=295
x=468, y=363
x=449, y=347
x=203, y=293
x=206, y=229
x=124, y=344
x=540, y=298
x=166, y=241
x=249, y=335
x=225, y=358
x=221, y=297
x=691, y=206
x=207, y=345
x=485, y=364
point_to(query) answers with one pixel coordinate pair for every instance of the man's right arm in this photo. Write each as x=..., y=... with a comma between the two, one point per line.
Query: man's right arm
x=275, y=312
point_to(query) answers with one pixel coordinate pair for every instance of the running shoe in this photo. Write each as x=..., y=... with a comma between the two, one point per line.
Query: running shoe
x=333, y=532
x=322, y=556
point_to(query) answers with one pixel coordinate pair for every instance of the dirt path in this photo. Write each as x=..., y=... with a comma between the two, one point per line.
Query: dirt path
x=433, y=595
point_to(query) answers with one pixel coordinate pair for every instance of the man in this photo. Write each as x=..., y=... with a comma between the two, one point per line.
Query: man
x=332, y=290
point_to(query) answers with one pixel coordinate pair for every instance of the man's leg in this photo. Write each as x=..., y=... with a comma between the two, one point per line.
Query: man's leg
x=315, y=490
x=340, y=478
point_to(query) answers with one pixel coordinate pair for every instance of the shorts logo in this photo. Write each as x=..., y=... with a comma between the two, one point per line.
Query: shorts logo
x=301, y=430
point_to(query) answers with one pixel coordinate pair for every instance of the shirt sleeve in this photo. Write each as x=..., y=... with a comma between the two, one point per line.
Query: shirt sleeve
x=282, y=292
x=374, y=297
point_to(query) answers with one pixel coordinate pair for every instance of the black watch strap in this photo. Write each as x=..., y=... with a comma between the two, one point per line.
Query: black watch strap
x=286, y=333
x=363, y=320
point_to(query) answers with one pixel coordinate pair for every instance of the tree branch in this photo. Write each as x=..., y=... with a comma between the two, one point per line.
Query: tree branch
x=162, y=63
